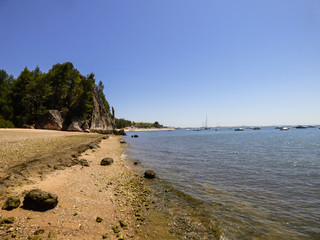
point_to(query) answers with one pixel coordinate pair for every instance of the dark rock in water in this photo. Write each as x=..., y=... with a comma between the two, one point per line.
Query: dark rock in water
x=136, y=162
x=50, y=120
x=135, y=136
x=84, y=162
x=11, y=203
x=75, y=124
x=149, y=174
x=106, y=161
x=122, y=141
x=39, y=200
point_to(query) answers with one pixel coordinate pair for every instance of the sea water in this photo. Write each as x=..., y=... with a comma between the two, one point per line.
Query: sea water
x=259, y=184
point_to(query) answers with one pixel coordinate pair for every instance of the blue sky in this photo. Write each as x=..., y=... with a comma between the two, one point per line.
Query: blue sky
x=240, y=62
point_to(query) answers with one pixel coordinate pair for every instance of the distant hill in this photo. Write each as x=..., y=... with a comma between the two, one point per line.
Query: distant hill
x=33, y=93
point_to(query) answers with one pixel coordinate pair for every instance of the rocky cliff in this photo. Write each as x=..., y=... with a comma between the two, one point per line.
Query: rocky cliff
x=101, y=119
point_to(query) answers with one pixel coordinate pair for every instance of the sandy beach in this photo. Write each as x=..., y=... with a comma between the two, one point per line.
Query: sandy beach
x=114, y=193
x=84, y=194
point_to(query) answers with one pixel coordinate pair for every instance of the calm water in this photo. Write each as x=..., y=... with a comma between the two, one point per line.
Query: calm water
x=260, y=184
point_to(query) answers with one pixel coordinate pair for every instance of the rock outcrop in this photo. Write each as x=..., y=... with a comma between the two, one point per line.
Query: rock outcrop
x=50, y=120
x=101, y=119
x=76, y=124
x=85, y=126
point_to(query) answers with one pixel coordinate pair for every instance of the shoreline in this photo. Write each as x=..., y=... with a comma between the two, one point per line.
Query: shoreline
x=84, y=194
x=150, y=208
x=147, y=129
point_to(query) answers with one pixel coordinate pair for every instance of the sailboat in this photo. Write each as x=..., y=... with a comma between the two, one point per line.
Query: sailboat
x=206, y=126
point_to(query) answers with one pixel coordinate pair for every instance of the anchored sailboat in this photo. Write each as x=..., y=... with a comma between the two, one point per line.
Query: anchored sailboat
x=206, y=126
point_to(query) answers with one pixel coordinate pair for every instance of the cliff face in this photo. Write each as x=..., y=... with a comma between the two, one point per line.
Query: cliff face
x=101, y=119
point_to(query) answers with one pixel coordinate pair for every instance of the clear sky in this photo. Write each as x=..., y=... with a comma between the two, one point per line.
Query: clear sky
x=240, y=62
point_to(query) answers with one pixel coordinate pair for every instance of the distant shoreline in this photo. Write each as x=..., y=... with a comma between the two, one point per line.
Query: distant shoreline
x=147, y=129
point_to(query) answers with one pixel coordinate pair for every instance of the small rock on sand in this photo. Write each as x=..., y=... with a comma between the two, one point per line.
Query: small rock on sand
x=11, y=203
x=84, y=162
x=106, y=161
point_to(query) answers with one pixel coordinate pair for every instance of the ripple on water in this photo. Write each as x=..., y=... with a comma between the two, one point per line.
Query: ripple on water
x=261, y=184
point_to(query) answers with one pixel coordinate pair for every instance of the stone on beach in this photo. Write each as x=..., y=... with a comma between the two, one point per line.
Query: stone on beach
x=39, y=200
x=106, y=161
x=149, y=174
x=84, y=162
x=11, y=203
x=122, y=141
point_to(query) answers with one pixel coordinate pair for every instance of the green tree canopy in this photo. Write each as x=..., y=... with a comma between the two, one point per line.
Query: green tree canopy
x=63, y=88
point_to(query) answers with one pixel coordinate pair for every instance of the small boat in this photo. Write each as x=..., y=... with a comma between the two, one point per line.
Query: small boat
x=256, y=128
x=284, y=129
x=239, y=129
x=206, y=126
x=217, y=129
x=196, y=129
x=188, y=129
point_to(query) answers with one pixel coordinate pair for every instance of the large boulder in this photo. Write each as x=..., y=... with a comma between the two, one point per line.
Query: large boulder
x=75, y=124
x=11, y=203
x=39, y=200
x=85, y=126
x=50, y=120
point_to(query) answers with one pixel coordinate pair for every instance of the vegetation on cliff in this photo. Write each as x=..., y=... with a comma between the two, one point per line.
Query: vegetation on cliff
x=32, y=93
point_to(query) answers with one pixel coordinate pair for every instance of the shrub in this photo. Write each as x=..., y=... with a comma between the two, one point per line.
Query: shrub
x=6, y=124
